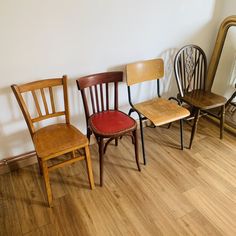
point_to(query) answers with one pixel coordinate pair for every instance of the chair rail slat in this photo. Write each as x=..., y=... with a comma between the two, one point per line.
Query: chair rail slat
x=92, y=99
x=97, y=101
x=36, y=103
x=44, y=101
x=52, y=100
x=107, y=96
x=43, y=117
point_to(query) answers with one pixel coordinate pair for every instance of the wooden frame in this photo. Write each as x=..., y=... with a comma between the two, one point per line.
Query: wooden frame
x=219, y=44
x=190, y=66
x=52, y=140
x=215, y=58
x=96, y=87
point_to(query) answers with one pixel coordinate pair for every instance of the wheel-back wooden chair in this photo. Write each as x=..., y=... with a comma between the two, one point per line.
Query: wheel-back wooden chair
x=190, y=66
x=158, y=110
x=53, y=140
x=104, y=121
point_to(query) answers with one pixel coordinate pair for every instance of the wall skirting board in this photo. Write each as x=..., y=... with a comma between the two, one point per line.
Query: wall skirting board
x=16, y=162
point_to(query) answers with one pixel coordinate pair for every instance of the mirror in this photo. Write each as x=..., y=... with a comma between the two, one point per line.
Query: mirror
x=221, y=78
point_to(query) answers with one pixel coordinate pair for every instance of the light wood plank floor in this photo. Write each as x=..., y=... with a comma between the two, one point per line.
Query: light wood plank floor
x=190, y=192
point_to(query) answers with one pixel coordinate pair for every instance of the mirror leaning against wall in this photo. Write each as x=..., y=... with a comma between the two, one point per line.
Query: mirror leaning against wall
x=221, y=77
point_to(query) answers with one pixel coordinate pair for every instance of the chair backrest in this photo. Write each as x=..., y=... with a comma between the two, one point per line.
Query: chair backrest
x=190, y=66
x=38, y=90
x=144, y=71
x=97, y=86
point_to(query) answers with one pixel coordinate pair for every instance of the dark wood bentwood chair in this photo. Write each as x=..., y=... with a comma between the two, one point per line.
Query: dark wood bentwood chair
x=102, y=120
x=190, y=68
x=158, y=110
x=52, y=140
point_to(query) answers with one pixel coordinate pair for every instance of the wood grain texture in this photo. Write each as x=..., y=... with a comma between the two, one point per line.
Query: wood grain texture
x=161, y=111
x=204, y=99
x=144, y=71
x=190, y=192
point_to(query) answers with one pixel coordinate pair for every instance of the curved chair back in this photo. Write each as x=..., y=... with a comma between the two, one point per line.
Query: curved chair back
x=190, y=66
x=97, y=94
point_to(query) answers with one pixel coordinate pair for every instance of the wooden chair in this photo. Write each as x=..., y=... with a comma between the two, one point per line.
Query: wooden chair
x=190, y=66
x=158, y=110
x=52, y=140
x=102, y=120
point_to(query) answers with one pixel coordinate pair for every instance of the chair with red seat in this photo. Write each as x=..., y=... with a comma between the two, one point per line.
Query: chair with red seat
x=104, y=122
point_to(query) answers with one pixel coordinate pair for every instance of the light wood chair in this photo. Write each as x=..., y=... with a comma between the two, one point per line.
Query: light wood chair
x=158, y=110
x=190, y=68
x=105, y=121
x=53, y=140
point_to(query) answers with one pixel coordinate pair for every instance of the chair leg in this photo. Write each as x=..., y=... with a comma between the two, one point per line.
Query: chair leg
x=88, y=134
x=194, y=129
x=73, y=154
x=142, y=138
x=116, y=141
x=222, y=120
x=40, y=166
x=89, y=167
x=136, y=148
x=130, y=111
x=181, y=134
x=46, y=182
x=101, y=144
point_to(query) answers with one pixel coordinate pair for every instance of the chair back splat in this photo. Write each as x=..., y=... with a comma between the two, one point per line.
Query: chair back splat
x=98, y=89
x=49, y=110
x=190, y=69
x=144, y=71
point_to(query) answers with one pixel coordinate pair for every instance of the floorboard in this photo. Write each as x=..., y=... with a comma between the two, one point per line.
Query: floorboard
x=190, y=192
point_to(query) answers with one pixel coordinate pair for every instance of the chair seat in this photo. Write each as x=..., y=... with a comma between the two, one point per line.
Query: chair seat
x=161, y=111
x=204, y=99
x=111, y=123
x=55, y=140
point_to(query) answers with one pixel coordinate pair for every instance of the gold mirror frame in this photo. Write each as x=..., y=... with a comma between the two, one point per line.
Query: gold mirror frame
x=215, y=58
x=219, y=44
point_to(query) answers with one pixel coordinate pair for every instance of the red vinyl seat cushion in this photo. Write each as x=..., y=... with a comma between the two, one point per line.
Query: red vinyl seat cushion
x=111, y=123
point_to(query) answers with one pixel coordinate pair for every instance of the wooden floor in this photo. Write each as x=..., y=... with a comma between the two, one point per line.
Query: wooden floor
x=190, y=192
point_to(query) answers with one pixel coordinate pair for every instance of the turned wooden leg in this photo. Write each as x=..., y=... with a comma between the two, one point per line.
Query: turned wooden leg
x=135, y=140
x=222, y=120
x=88, y=134
x=89, y=167
x=46, y=182
x=40, y=165
x=116, y=141
x=101, y=144
x=194, y=129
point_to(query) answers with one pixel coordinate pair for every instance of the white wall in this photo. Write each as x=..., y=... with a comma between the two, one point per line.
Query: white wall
x=42, y=39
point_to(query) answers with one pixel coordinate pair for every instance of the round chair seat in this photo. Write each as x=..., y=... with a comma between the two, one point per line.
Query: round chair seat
x=109, y=123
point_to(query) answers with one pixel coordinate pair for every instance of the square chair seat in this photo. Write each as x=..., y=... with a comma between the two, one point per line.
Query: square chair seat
x=111, y=122
x=161, y=111
x=53, y=140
